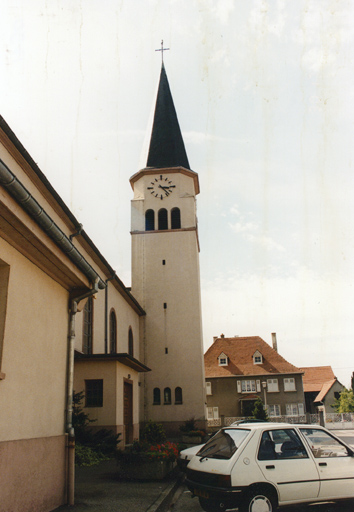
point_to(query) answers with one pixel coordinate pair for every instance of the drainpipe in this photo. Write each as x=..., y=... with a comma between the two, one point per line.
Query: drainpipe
x=70, y=388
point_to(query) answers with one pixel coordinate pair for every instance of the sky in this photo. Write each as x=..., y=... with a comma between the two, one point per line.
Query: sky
x=264, y=96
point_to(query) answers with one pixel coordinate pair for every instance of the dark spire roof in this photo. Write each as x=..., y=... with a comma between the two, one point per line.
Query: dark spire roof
x=166, y=144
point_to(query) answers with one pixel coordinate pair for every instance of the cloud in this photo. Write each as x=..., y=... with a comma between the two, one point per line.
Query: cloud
x=252, y=232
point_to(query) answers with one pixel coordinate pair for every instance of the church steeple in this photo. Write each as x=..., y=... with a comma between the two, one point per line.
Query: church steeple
x=166, y=143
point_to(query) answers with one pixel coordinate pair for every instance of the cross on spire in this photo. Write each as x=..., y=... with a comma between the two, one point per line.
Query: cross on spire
x=162, y=49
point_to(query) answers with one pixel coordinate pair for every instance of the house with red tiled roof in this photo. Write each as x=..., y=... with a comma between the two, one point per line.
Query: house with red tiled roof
x=239, y=370
x=321, y=388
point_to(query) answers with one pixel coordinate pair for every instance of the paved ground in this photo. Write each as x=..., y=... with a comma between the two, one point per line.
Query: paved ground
x=98, y=489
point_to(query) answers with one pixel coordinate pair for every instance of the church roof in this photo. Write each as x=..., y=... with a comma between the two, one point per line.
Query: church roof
x=166, y=143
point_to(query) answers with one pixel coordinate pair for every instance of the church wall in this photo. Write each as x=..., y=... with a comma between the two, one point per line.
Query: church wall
x=33, y=388
x=113, y=374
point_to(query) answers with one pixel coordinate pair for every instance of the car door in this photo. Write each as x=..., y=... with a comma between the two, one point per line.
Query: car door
x=334, y=461
x=284, y=461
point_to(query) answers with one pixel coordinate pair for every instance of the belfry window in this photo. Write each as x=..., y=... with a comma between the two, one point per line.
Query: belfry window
x=175, y=218
x=149, y=220
x=163, y=222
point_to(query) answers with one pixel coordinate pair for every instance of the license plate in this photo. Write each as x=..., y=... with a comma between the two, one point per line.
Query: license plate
x=201, y=494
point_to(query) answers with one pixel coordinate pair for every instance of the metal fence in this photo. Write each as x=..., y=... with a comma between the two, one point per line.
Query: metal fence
x=330, y=420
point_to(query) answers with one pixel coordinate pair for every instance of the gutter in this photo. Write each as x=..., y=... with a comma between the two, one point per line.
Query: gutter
x=39, y=215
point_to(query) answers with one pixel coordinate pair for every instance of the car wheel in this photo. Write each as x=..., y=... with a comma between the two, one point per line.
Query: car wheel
x=259, y=501
x=211, y=505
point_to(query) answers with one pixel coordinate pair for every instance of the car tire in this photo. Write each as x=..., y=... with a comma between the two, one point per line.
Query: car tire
x=259, y=500
x=211, y=505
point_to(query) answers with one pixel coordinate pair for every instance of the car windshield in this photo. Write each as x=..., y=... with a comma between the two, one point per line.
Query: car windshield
x=224, y=444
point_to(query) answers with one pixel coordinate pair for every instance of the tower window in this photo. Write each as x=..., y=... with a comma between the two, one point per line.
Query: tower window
x=157, y=396
x=163, y=262
x=163, y=223
x=178, y=395
x=167, y=396
x=149, y=220
x=175, y=218
x=165, y=305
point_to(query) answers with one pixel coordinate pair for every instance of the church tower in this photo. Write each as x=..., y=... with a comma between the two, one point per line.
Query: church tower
x=165, y=273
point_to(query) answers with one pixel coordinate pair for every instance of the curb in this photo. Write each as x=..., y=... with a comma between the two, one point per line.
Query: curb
x=165, y=499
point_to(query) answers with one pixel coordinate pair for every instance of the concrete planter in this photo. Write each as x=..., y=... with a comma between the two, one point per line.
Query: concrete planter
x=145, y=470
x=191, y=439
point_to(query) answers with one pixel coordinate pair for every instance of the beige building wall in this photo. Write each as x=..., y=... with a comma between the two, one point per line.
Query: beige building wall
x=113, y=374
x=32, y=392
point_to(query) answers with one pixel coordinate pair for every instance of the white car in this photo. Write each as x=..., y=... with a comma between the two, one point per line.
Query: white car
x=259, y=466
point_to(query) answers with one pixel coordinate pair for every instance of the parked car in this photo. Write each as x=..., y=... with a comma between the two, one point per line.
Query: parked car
x=186, y=455
x=260, y=466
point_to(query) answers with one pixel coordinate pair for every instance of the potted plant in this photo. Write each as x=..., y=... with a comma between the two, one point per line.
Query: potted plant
x=190, y=433
x=152, y=458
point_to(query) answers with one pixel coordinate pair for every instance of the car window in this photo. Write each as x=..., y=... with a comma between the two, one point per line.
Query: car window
x=224, y=444
x=281, y=444
x=323, y=444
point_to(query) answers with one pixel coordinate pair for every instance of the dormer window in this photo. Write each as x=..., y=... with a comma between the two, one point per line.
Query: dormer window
x=257, y=358
x=223, y=360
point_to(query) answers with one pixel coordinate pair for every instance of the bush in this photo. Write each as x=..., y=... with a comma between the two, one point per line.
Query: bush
x=86, y=456
x=189, y=428
x=259, y=413
x=153, y=433
x=91, y=447
x=143, y=452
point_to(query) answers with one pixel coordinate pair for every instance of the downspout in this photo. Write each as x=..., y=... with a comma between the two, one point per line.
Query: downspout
x=70, y=388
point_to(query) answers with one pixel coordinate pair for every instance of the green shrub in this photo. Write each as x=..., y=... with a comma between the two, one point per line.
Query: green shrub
x=86, y=456
x=91, y=447
x=259, y=413
x=153, y=433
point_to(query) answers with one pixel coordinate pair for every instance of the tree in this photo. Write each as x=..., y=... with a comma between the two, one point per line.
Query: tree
x=259, y=413
x=345, y=402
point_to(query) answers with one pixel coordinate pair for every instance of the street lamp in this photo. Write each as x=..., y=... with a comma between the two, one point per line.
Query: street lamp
x=264, y=384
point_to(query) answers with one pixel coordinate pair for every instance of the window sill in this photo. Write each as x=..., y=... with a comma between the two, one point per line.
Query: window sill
x=2, y=376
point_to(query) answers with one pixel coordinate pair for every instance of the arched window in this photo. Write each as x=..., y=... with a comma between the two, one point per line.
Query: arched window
x=163, y=223
x=130, y=342
x=175, y=218
x=178, y=395
x=149, y=220
x=87, y=327
x=167, y=396
x=113, y=332
x=157, y=396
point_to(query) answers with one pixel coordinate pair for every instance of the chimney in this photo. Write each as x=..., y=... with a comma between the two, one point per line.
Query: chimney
x=222, y=335
x=274, y=341
x=214, y=339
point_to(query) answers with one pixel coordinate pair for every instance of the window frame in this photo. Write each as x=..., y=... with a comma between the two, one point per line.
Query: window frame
x=113, y=332
x=87, y=327
x=94, y=397
x=272, y=383
x=156, y=397
x=167, y=397
x=178, y=396
x=287, y=385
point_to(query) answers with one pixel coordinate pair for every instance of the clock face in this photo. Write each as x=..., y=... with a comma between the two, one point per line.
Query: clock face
x=161, y=187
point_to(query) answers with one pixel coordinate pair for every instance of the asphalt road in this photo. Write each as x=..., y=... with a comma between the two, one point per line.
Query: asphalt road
x=185, y=503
